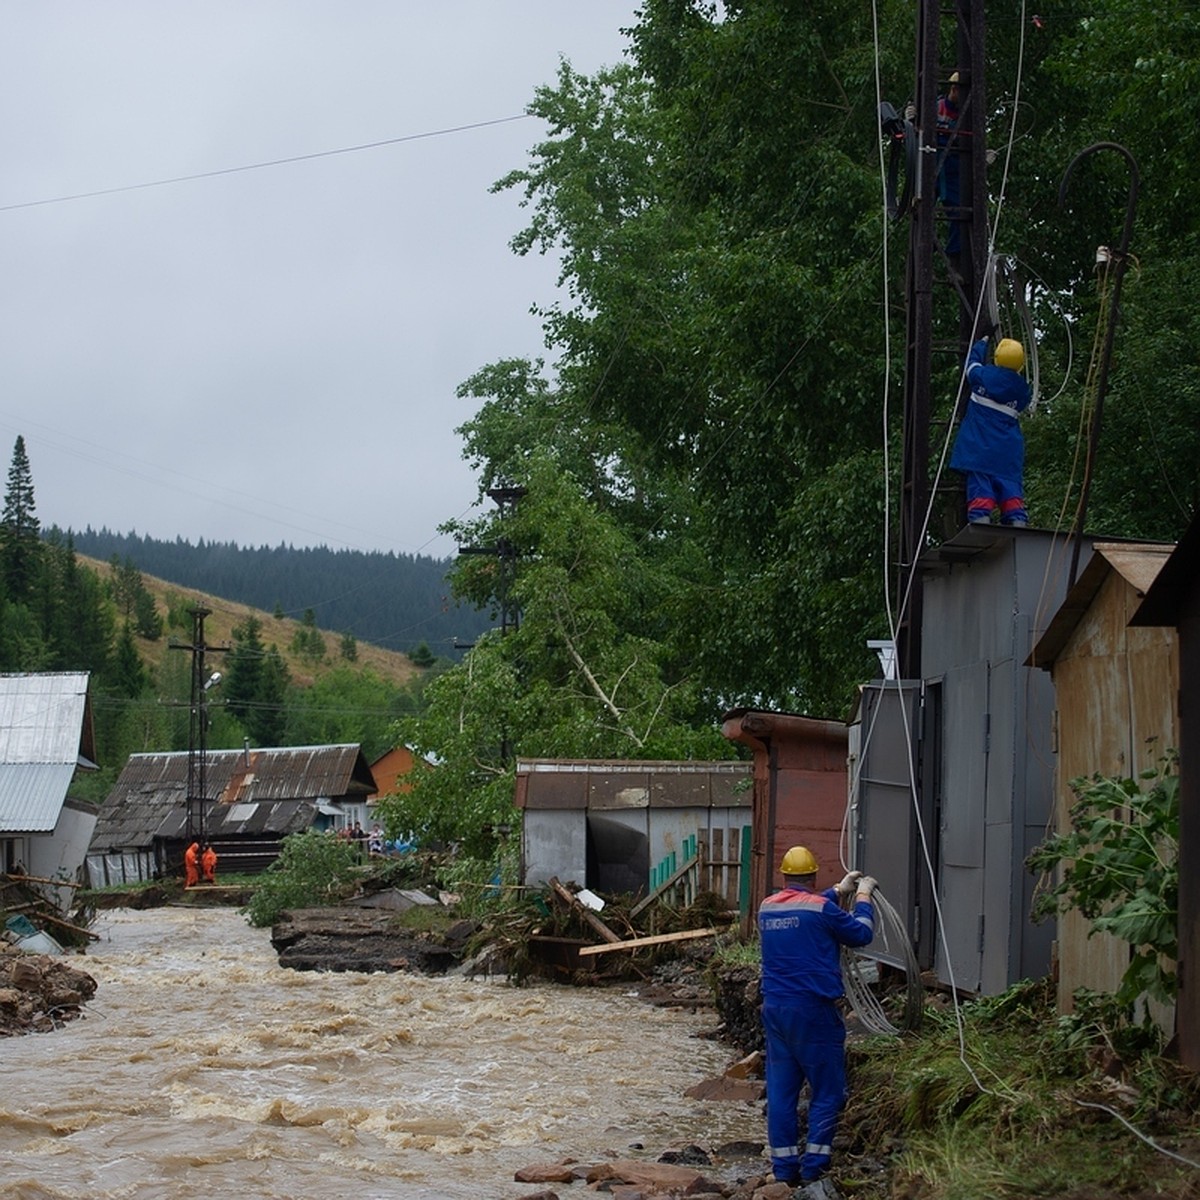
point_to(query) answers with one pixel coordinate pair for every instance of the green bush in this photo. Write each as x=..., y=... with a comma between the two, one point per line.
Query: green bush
x=1120, y=869
x=313, y=869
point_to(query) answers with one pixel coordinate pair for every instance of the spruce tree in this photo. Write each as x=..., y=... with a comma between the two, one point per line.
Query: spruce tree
x=20, y=545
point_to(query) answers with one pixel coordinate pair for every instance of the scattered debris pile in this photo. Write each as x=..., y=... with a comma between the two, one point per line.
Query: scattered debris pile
x=37, y=900
x=561, y=933
x=39, y=992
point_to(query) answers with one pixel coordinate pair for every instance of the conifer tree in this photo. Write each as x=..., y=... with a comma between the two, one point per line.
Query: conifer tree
x=20, y=546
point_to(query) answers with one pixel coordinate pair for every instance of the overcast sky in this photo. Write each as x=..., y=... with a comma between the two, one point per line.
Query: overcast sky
x=266, y=355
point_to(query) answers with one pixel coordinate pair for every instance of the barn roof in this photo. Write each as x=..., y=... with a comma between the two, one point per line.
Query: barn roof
x=45, y=734
x=272, y=791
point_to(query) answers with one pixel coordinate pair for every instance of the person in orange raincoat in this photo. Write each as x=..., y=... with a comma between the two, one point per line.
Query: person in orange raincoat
x=208, y=860
x=191, y=866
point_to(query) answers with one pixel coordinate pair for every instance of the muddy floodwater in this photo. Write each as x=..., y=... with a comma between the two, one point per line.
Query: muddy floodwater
x=202, y=1068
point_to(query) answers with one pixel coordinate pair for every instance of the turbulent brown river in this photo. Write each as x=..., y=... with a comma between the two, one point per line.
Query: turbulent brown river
x=204, y=1069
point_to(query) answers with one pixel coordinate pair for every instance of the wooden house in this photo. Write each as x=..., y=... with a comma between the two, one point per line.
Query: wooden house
x=624, y=827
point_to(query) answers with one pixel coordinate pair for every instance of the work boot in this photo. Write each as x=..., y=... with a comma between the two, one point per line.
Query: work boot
x=817, y=1189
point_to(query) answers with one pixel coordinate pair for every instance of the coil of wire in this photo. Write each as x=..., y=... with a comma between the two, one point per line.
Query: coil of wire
x=893, y=944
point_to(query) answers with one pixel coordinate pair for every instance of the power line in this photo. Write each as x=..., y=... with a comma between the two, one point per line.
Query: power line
x=259, y=166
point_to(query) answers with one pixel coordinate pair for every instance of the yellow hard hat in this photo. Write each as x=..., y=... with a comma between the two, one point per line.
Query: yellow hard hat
x=954, y=77
x=798, y=861
x=1010, y=353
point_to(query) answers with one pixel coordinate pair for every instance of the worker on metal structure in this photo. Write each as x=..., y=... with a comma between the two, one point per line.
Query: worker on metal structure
x=802, y=932
x=949, y=110
x=191, y=865
x=989, y=447
x=208, y=861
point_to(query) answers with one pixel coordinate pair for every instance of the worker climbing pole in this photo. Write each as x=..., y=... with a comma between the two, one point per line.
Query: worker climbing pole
x=944, y=196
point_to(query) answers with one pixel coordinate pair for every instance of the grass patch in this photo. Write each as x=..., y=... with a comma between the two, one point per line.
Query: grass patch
x=998, y=1116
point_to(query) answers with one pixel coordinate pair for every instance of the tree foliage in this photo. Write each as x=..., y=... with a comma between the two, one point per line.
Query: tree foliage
x=1119, y=866
x=257, y=684
x=707, y=458
x=313, y=869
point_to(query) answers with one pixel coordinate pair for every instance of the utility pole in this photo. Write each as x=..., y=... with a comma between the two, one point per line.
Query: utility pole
x=929, y=266
x=506, y=553
x=196, y=829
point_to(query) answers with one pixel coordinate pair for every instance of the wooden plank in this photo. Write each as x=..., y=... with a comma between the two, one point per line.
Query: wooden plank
x=39, y=879
x=703, y=852
x=67, y=925
x=662, y=887
x=656, y=940
x=585, y=912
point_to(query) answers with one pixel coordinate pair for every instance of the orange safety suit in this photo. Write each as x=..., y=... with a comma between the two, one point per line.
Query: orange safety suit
x=208, y=860
x=191, y=867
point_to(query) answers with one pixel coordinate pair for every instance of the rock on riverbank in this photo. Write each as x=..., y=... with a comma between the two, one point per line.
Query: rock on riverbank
x=38, y=992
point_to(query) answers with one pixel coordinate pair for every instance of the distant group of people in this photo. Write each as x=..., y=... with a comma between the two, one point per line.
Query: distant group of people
x=199, y=865
x=373, y=843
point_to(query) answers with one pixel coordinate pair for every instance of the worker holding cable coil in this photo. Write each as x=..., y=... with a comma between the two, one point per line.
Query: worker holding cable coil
x=801, y=932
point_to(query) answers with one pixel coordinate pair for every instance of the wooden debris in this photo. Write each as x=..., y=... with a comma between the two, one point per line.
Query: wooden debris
x=586, y=913
x=657, y=940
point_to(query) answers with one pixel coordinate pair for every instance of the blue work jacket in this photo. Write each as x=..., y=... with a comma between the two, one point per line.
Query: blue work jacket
x=801, y=933
x=989, y=439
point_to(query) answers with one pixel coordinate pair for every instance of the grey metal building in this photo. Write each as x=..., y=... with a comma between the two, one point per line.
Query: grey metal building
x=952, y=775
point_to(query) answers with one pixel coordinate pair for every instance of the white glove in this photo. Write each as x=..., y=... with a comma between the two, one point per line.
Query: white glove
x=866, y=887
x=846, y=887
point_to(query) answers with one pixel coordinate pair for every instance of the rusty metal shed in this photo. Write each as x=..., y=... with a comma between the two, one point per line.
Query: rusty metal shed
x=256, y=798
x=952, y=779
x=623, y=826
x=799, y=791
x=1174, y=600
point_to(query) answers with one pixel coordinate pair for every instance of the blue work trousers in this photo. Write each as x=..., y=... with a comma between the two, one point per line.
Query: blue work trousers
x=806, y=1042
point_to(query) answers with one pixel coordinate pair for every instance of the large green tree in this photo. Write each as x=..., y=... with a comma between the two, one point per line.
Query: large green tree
x=707, y=459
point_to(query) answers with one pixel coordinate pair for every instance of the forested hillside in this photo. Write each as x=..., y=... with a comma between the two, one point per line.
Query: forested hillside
x=276, y=680
x=397, y=601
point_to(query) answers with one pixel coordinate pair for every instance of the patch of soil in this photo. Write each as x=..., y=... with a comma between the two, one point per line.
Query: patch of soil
x=357, y=939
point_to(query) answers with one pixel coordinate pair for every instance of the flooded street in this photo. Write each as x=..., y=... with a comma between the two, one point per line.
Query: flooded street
x=202, y=1068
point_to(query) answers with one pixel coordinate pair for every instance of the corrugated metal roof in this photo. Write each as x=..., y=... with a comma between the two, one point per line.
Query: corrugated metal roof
x=32, y=795
x=42, y=717
x=273, y=790
x=45, y=733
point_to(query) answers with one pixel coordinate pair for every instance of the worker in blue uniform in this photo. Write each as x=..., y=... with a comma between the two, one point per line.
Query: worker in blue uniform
x=989, y=448
x=802, y=932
